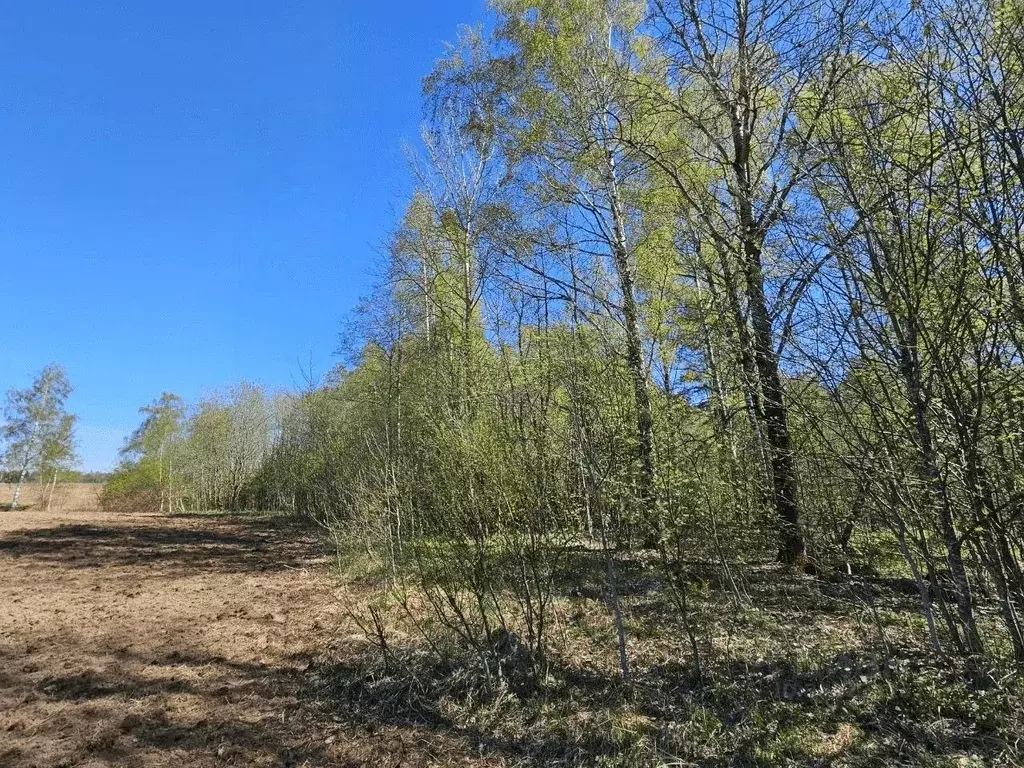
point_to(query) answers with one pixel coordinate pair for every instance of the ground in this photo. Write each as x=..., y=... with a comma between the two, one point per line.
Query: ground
x=143, y=640
x=166, y=640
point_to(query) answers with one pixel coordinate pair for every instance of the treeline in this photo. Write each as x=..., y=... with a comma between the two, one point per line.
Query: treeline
x=197, y=457
x=718, y=282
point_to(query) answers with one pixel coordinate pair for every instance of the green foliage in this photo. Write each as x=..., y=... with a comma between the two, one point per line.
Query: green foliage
x=38, y=432
x=202, y=457
x=683, y=289
x=134, y=486
x=666, y=287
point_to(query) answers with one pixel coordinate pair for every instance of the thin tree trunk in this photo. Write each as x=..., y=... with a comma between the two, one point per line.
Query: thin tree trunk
x=922, y=588
x=620, y=628
x=17, y=488
x=634, y=353
x=934, y=482
x=25, y=464
x=53, y=485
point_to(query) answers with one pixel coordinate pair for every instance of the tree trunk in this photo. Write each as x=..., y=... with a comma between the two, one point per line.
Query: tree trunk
x=53, y=486
x=776, y=414
x=751, y=234
x=24, y=465
x=17, y=488
x=634, y=354
x=923, y=591
x=934, y=482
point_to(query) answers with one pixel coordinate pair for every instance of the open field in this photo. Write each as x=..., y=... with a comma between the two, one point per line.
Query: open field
x=150, y=640
x=67, y=498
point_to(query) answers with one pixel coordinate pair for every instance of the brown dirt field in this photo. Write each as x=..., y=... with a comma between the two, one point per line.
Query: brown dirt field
x=149, y=640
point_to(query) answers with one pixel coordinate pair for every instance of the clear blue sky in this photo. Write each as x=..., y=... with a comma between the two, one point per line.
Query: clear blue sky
x=193, y=193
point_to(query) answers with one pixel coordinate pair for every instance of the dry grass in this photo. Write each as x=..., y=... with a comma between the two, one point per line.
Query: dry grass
x=67, y=497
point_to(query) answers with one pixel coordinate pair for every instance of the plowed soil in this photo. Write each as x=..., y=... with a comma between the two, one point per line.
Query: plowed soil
x=160, y=640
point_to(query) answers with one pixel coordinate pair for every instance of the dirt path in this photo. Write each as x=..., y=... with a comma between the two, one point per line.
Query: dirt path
x=150, y=640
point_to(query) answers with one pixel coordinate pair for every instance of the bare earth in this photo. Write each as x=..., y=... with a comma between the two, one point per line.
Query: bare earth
x=148, y=640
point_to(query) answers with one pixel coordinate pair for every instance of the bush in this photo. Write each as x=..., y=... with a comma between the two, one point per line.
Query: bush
x=133, y=487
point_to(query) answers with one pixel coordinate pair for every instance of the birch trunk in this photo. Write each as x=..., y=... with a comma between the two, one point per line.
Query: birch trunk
x=634, y=350
x=49, y=496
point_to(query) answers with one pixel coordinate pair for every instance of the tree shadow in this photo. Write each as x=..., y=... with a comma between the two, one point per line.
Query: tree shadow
x=758, y=707
x=90, y=685
x=375, y=702
x=221, y=545
x=234, y=710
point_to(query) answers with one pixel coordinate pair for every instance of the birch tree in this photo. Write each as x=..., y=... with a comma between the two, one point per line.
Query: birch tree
x=567, y=105
x=58, y=453
x=152, y=440
x=37, y=425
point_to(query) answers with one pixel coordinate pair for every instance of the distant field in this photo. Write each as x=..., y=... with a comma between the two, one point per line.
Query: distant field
x=70, y=497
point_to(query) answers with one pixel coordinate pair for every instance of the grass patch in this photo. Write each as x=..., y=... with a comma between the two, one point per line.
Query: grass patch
x=244, y=514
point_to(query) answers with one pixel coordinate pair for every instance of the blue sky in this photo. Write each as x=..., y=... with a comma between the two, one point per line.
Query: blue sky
x=194, y=193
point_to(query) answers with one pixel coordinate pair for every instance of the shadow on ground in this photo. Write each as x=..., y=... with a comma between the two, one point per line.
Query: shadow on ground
x=216, y=544
x=215, y=711
x=212, y=669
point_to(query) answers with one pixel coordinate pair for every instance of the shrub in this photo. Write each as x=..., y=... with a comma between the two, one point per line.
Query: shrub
x=133, y=487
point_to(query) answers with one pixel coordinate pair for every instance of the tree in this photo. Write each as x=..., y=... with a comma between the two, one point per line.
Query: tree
x=565, y=106
x=151, y=440
x=38, y=430
x=744, y=97
x=58, y=453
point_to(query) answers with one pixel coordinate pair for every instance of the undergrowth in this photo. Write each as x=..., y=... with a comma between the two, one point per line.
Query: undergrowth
x=802, y=672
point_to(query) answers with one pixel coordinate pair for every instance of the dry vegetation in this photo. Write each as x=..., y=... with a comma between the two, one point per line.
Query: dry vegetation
x=67, y=497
